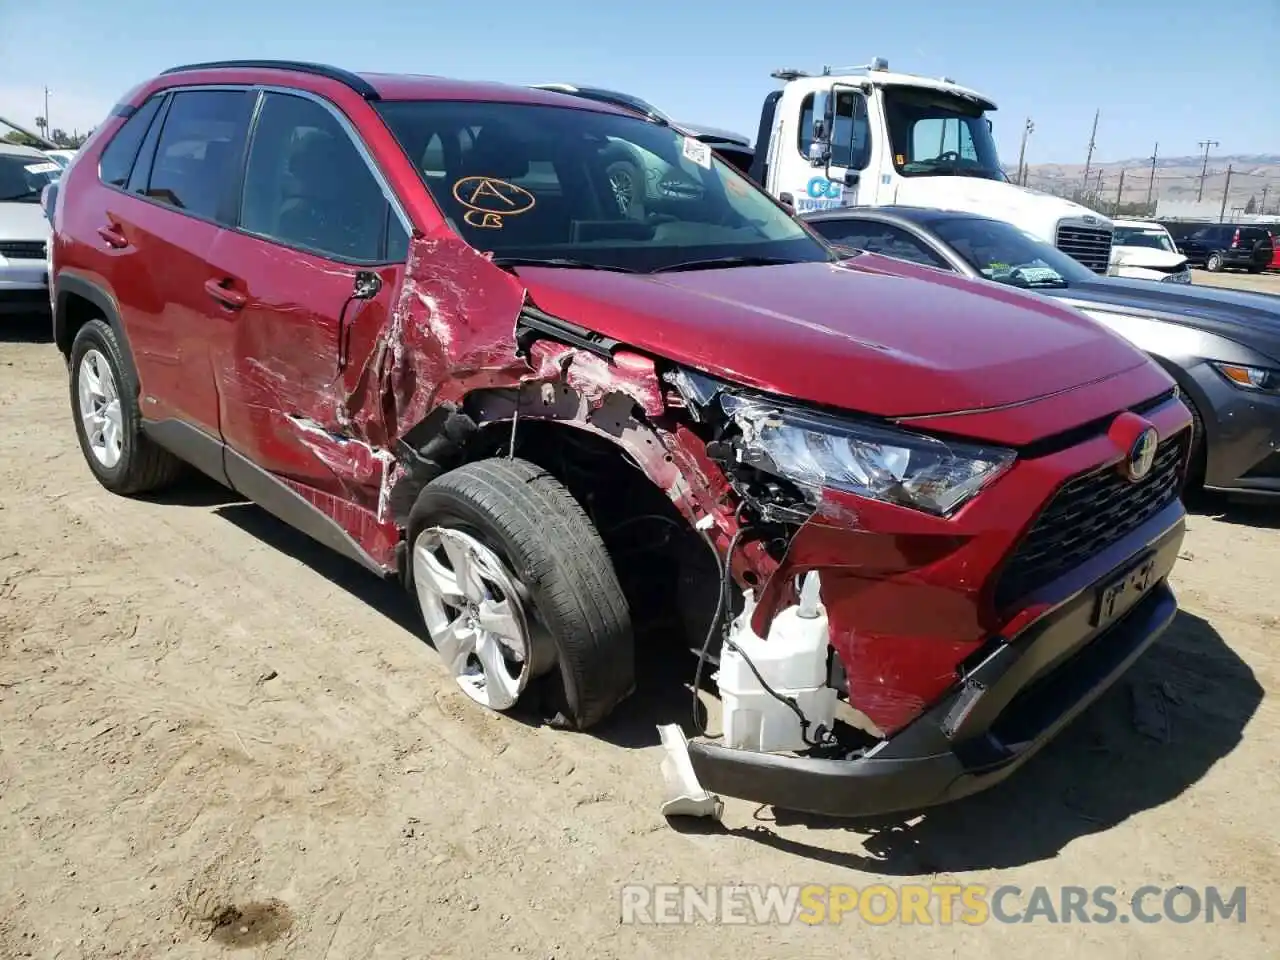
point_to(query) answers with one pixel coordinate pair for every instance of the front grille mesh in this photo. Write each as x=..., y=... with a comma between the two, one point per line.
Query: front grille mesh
x=22, y=249
x=1091, y=246
x=1088, y=514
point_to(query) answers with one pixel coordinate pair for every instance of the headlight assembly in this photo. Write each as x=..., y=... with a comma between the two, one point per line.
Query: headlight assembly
x=1250, y=378
x=883, y=463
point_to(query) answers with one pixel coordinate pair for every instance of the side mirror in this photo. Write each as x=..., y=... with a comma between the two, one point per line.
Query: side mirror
x=366, y=285
x=789, y=202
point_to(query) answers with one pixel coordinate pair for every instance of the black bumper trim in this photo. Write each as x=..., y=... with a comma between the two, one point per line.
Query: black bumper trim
x=1035, y=686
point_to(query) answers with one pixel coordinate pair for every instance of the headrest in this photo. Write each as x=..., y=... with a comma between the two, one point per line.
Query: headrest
x=499, y=155
x=317, y=162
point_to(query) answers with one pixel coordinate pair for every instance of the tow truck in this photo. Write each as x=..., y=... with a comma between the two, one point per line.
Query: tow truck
x=864, y=136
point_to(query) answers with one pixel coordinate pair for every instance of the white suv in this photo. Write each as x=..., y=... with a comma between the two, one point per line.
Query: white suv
x=1144, y=250
x=24, y=229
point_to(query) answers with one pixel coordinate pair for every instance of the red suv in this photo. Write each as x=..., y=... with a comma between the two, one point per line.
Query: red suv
x=410, y=317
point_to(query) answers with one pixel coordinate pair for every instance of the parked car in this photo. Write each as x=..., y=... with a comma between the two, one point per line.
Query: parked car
x=1221, y=346
x=61, y=157
x=406, y=315
x=1221, y=246
x=1144, y=250
x=24, y=232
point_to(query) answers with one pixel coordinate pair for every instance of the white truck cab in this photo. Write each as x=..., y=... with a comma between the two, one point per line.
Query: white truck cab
x=863, y=136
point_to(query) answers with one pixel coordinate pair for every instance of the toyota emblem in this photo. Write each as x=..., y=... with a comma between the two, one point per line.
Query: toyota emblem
x=1142, y=455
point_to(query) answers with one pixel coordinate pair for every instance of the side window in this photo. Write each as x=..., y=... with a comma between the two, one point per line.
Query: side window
x=308, y=186
x=881, y=238
x=198, y=150
x=147, y=154
x=851, y=136
x=397, y=240
x=117, y=159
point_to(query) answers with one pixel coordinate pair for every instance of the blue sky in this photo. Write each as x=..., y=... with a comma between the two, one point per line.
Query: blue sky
x=1173, y=71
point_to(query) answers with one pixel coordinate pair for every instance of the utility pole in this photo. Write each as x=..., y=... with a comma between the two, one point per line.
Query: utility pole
x=46, y=110
x=1022, y=151
x=1120, y=192
x=1205, y=168
x=1263, y=208
x=1225, y=190
x=1097, y=191
x=1151, y=184
x=1093, y=136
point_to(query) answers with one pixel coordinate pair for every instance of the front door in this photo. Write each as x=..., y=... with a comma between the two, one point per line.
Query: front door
x=850, y=180
x=313, y=215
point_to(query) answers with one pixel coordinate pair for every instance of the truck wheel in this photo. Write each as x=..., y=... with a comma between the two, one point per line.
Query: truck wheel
x=108, y=421
x=1214, y=263
x=514, y=583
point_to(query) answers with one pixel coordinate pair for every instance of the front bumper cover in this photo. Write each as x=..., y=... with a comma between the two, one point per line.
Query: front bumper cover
x=1012, y=704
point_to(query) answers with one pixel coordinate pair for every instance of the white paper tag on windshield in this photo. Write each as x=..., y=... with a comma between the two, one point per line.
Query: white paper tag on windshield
x=42, y=167
x=698, y=152
x=1039, y=274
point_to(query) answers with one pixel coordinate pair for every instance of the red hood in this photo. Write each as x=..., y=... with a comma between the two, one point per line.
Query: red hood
x=872, y=334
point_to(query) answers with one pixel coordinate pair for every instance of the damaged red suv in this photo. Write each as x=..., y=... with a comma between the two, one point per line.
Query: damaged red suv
x=413, y=318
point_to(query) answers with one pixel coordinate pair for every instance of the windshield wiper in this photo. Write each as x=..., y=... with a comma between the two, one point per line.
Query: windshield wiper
x=714, y=263
x=558, y=262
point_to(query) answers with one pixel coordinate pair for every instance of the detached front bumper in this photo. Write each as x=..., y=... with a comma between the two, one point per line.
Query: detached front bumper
x=1021, y=694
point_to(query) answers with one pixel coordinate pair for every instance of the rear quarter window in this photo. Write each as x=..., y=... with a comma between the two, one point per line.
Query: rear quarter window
x=122, y=149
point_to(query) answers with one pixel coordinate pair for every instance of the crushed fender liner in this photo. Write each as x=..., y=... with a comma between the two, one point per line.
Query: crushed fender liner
x=1021, y=694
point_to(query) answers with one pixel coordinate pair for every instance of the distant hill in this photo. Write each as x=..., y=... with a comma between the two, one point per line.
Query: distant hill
x=1177, y=178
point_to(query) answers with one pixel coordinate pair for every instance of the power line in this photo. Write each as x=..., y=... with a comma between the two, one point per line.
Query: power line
x=1206, y=144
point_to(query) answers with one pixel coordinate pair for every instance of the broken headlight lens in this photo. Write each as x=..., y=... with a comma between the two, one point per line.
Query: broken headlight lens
x=882, y=463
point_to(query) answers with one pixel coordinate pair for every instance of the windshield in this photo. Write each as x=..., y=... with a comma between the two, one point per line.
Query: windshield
x=23, y=177
x=939, y=134
x=529, y=182
x=1005, y=254
x=1150, y=237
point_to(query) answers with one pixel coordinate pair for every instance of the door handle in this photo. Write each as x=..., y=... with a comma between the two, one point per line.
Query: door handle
x=220, y=291
x=112, y=235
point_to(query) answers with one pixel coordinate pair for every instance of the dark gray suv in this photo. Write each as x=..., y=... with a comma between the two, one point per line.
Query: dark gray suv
x=1220, y=246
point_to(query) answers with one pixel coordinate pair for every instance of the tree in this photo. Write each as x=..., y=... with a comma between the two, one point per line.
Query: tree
x=20, y=138
x=60, y=137
x=1251, y=206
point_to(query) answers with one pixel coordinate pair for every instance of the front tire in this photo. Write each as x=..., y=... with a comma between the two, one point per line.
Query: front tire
x=108, y=421
x=514, y=583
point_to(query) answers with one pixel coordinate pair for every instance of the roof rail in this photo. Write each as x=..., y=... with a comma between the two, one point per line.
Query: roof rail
x=344, y=77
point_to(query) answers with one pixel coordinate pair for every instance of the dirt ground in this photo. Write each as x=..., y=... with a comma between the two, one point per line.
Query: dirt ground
x=1256, y=282
x=216, y=738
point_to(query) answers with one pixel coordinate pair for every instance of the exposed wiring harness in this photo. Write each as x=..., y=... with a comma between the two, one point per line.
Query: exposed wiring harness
x=823, y=737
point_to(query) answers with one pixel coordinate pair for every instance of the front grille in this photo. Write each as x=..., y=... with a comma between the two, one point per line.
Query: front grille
x=1089, y=245
x=1088, y=514
x=22, y=249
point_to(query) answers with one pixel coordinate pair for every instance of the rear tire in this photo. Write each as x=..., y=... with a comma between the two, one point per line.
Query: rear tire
x=104, y=403
x=1214, y=263
x=577, y=623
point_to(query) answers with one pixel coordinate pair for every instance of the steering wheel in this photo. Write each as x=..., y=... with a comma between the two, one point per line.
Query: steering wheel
x=949, y=155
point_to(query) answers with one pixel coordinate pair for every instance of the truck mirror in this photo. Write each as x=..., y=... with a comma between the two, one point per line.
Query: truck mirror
x=789, y=202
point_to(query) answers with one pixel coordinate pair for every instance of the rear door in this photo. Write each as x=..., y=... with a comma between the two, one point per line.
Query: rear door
x=313, y=214
x=182, y=192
